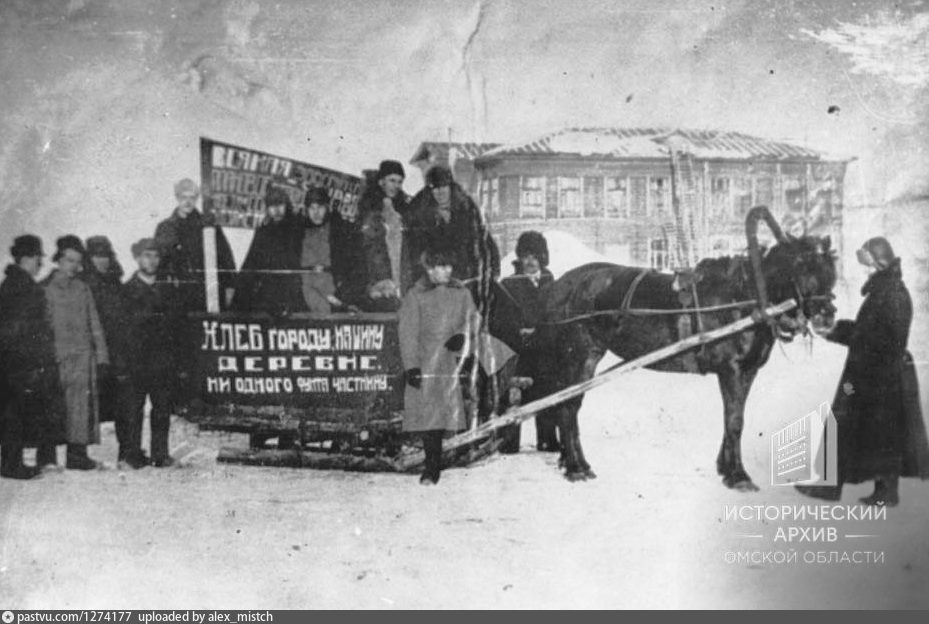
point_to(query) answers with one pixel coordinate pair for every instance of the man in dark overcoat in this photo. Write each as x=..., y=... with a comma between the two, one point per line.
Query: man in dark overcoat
x=31, y=397
x=376, y=200
x=881, y=433
x=103, y=274
x=524, y=288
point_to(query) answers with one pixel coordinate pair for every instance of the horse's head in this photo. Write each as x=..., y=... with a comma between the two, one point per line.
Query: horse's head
x=800, y=268
x=804, y=269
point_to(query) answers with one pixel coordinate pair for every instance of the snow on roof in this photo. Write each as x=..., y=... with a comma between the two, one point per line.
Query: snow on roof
x=625, y=143
x=436, y=150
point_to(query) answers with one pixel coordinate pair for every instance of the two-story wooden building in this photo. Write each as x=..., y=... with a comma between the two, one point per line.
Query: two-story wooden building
x=635, y=194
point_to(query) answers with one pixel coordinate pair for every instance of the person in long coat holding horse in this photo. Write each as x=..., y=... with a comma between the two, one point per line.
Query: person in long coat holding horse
x=437, y=325
x=31, y=411
x=80, y=347
x=881, y=434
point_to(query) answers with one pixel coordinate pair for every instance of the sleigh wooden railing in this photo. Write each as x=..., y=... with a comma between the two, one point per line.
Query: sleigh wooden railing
x=409, y=459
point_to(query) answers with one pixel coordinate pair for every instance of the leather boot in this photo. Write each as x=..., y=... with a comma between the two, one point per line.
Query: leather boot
x=885, y=491
x=77, y=458
x=432, y=445
x=11, y=463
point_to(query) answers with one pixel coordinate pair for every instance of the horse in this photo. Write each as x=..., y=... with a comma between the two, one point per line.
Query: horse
x=629, y=311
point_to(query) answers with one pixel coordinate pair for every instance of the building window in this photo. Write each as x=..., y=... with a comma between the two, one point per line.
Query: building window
x=617, y=198
x=658, y=256
x=532, y=198
x=742, y=196
x=593, y=196
x=720, y=200
x=764, y=192
x=569, y=197
x=659, y=196
x=490, y=196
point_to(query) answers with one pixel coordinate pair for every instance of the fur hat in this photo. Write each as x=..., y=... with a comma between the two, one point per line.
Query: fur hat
x=532, y=243
x=877, y=253
x=438, y=176
x=186, y=186
x=275, y=196
x=390, y=167
x=100, y=246
x=69, y=241
x=26, y=246
x=143, y=245
x=316, y=195
x=436, y=255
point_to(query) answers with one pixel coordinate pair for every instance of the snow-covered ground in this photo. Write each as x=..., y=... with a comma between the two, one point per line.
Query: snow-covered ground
x=509, y=532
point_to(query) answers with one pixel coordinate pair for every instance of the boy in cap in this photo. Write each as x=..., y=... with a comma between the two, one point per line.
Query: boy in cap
x=151, y=316
x=28, y=374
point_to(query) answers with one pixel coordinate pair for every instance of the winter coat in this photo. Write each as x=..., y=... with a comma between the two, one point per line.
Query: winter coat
x=429, y=317
x=349, y=266
x=80, y=347
x=316, y=262
x=465, y=234
x=31, y=411
x=880, y=426
x=152, y=315
x=269, y=281
x=374, y=232
x=106, y=290
x=520, y=291
x=181, y=244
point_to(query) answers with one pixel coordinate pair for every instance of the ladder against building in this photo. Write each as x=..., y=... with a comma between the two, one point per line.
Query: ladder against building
x=686, y=219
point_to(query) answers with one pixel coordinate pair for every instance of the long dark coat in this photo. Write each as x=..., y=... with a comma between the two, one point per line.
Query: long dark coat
x=106, y=290
x=152, y=315
x=429, y=317
x=465, y=235
x=32, y=405
x=181, y=244
x=519, y=291
x=268, y=281
x=880, y=426
x=80, y=347
x=349, y=265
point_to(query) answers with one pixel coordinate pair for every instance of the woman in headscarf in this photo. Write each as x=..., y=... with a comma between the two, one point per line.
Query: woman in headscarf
x=881, y=434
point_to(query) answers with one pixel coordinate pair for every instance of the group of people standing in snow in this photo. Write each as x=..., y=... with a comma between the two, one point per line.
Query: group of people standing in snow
x=81, y=346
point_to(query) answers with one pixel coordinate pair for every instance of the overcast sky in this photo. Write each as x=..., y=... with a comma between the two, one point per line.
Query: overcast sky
x=103, y=102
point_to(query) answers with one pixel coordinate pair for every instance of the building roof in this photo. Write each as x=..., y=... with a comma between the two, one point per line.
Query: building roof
x=435, y=150
x=648, y=143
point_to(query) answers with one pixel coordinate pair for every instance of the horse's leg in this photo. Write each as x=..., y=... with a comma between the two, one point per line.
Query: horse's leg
x=572, y=453
x=734, y=384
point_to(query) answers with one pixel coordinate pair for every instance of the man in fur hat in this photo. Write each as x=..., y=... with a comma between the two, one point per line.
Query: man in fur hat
x=373, y=208
x=524, y=288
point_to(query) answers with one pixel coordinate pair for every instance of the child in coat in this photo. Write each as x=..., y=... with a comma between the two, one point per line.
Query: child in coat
x=437, y=325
